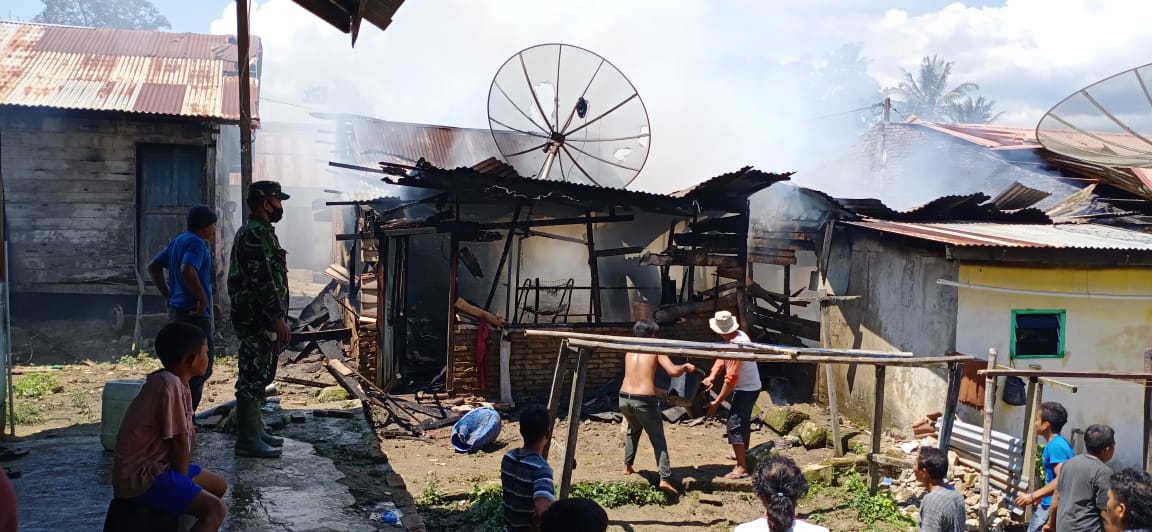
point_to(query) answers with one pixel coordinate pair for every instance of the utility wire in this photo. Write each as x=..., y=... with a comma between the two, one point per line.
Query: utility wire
x=842, y=113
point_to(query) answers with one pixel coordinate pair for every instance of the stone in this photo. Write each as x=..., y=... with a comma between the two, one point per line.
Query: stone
x=760, y=452
x=332, y=393
x=675, y=414
x=606, y=417
x=783, y=419
x=812, y=435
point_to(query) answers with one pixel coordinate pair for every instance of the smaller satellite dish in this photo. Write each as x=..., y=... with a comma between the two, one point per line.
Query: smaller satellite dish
x=561, y=112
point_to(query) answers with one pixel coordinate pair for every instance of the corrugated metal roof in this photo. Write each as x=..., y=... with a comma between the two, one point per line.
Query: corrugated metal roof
x=966, y=207
x=103, y=69
x=741, y=183
x=1065, y=236
x=1018, y=196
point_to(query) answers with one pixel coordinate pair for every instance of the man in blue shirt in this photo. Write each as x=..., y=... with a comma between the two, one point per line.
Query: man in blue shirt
x=187, y=290
x=1050, y=420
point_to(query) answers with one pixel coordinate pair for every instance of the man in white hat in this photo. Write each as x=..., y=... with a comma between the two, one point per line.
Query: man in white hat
x=742, y=383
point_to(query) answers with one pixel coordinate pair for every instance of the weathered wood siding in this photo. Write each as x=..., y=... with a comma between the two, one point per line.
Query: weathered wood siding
x=71, y=192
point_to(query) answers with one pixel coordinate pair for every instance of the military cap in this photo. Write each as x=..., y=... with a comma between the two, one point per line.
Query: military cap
x=265, y=189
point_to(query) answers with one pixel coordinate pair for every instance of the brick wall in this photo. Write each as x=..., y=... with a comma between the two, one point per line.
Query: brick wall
x=533, y=360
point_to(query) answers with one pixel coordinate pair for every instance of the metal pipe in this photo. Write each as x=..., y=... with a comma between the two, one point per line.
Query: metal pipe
x=986, y=288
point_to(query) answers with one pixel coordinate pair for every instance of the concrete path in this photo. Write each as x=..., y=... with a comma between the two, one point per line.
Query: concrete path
x=65, y=485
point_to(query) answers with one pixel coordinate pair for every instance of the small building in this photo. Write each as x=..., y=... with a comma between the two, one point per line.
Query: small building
x=1044, y=295
x=107, y=137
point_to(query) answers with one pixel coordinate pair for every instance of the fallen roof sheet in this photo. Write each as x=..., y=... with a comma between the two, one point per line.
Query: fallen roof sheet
x=989, y=136
x=1018, y=196
x=967, y=207
x=102, y=69
x=491, y=177
x=741, y=183
x=1064, y=236
x=347, y=18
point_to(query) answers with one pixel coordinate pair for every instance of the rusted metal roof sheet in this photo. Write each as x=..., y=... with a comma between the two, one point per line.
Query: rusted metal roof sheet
x=967, y=207
x=1018, y=196
x=102, y=69
x=1065, y=236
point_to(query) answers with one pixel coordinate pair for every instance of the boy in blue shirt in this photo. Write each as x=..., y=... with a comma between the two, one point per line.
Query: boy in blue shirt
x=187, y=290
x=1050, y=420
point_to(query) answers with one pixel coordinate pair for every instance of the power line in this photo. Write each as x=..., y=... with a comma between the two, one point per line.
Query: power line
x=842, y=113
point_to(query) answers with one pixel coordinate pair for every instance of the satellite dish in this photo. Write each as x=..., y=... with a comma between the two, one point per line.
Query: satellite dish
x=561, y=112
x=1108, y=123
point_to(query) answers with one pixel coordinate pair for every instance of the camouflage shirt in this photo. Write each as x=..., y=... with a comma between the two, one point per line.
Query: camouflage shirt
x=257, y=277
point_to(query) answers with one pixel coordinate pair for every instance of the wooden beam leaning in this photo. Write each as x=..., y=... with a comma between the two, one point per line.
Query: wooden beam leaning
x=1069, y=374
x=986, y=441
x=877, y=428
x=554, y=395
x=574, y=404
x=955, y=375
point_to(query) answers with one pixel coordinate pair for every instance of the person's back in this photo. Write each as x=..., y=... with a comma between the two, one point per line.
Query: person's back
x=525, y=477
x=1082, y=488
x=639, y=370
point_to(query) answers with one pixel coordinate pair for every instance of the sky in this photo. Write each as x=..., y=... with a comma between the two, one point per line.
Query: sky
x=713, y=75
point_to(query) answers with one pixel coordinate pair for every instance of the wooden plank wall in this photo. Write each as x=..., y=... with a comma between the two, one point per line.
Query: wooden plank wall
x=70, y=186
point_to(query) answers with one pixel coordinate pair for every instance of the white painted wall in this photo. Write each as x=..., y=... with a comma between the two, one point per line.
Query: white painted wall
x=1101, y=334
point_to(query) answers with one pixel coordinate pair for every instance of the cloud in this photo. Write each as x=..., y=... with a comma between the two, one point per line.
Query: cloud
x=724, y=83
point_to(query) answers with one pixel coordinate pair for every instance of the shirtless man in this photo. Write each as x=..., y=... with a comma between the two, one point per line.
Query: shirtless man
x=640, y=403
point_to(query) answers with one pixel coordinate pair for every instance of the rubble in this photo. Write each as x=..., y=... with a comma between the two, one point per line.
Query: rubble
x=811, y=434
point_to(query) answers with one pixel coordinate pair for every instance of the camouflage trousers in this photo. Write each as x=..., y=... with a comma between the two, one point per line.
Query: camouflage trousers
x=257, y=363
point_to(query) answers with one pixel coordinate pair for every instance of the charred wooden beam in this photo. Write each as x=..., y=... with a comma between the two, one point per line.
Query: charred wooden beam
x=711, y=240
x=327, y=334
x=691, y=258
x=808, y=228
x=793, y=325
x=756, y=242
x=730, y=272
x=781, y=259
x=503, y=261
x=464, y=227
x=619, y=251
x=672, y=313
x=728, y=224
x=593, y=268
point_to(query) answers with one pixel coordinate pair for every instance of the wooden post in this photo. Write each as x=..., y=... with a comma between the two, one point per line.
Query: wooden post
x=986, y=441
x=877, y=428
x=1029, y=466
x=955, y=374
x=557, y=385
x=245, y=97
x=382, y=321
x=503, y=259
x=830, y=375
x=594, y=271
x=450, y=338
x=1147, y=410
x=574, y=405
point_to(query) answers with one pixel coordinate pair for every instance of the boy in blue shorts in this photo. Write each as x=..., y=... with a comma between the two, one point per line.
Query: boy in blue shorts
x=152, y=464
x=1050, y=420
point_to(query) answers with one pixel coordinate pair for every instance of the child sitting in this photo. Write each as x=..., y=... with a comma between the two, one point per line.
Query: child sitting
x=525, y=477
x=780, y=485
x=1129, y=502
x=575, y=515
x=1082, y=491
x=942, y=509
x=152, y=465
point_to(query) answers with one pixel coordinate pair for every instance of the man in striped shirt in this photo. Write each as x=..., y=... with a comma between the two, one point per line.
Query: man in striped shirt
x=525, y=477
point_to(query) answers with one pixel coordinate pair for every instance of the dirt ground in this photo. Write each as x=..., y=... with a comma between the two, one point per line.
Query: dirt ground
x=697, y=455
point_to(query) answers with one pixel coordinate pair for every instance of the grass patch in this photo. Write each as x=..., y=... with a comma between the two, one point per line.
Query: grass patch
x=139, y=360
x=619, y=493
x=28, y=413
x=35, y=386
x=869, y=509
x=433, y=495
x=82, y=402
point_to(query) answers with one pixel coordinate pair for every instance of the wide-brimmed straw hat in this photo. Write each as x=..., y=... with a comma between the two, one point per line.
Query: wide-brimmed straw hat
x=724, y=323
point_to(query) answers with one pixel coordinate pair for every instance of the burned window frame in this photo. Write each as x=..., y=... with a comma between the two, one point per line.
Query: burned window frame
x=1061, y=316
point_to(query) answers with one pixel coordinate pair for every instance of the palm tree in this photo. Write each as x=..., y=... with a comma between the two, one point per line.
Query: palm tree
x=926, y=94
x=969, y=111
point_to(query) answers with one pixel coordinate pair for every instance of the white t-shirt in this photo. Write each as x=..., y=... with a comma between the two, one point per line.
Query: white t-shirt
x=761, y=525
x=749, y=378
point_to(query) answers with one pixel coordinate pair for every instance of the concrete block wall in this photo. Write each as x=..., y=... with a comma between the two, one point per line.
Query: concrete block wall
x=533, y=360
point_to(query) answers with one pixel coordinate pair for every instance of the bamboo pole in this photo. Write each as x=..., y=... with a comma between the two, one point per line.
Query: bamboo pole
x=877, y=427
x=554, y=395
x=830, y=377
x=986, y=440
x=1030, y=411
x=763, y=357
x=743, y=347
x=1139, y=377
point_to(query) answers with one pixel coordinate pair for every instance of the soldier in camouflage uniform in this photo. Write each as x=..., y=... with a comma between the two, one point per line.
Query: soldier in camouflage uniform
x=258, y=286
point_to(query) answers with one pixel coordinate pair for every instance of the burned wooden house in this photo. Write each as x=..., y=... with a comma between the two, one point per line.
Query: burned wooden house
x=108, y=137
x=441, y=282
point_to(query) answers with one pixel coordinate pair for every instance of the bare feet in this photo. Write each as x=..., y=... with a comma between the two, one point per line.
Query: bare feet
x=628, y=470
x=668, y=488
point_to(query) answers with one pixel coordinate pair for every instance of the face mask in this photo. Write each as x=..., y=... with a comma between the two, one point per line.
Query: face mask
x=276, y=214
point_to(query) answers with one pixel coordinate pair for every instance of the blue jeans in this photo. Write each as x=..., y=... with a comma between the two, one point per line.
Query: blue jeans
x=1039, y=519
x=196, y=384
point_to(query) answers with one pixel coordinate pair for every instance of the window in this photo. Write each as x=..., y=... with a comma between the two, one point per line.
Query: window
x=1037, y=334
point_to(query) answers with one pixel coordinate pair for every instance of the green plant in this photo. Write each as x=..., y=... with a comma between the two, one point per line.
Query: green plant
x=618, y=493
x=82, y=403
x=140, y=359
x=433, y=495
x=487, y=506
x=871, y=508
x=27, y=413
x=1039, y=464
x=35, y=386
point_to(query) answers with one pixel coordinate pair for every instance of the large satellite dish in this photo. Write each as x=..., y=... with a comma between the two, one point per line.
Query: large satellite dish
x=1107, y=123
x=561, y=112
